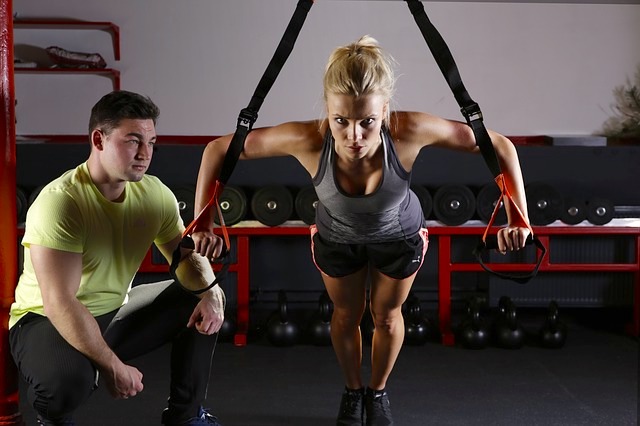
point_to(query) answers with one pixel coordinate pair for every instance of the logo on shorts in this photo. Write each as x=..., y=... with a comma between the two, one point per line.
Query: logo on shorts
x=416, y=260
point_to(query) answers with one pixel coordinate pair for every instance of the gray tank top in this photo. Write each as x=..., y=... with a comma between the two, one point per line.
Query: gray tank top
x=393, y=212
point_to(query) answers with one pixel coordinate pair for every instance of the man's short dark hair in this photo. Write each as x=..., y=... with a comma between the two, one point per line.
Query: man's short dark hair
x=118, y=105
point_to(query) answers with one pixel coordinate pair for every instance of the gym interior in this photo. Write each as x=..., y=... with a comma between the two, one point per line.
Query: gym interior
x=550, y=75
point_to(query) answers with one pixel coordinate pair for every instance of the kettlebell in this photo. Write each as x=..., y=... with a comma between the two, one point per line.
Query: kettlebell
x=553, y=333
x=416, y=327
x=508, y=332
x=228, y=329
x=281, y=331
x=473, y=333
x=320, y=328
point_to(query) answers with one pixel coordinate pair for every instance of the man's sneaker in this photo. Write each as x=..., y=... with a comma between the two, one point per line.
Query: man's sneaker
x=204, y=417
x=351, y=408
x=377, y=408
x=41, y=421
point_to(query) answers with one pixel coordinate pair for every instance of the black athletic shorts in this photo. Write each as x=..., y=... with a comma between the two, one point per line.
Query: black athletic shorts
x=396, y=259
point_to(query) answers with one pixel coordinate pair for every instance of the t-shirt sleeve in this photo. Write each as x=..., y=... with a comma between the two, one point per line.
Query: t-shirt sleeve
x=54, y=221
x=172, y=223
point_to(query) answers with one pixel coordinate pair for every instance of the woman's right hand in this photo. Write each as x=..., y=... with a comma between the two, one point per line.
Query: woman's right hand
x=208, y=244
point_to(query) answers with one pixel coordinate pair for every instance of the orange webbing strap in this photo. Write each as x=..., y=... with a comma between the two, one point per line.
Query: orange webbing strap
x=504, y=192
x=491, y=242
x=213, y=201
x=187, y=242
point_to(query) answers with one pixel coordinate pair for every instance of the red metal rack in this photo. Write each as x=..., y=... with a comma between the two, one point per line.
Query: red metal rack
x=446, y=266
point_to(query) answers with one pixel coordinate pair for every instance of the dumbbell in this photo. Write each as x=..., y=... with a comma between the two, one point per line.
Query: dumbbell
x=272, y=205
x=186, y=196
x=573, y=211
x=233, y=205
x=426, y=201
x=544, y=203
x=600, y=211
x=485, y=204
x=305, y=204
x=454, y=204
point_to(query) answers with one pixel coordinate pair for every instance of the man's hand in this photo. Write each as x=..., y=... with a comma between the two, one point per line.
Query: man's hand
x=122, y=380
x=208, y=315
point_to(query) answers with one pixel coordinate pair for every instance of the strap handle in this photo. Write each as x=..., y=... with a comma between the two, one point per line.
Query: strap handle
x=245, y=122
x=472, y=113
x=489, y=242
x=188, y=244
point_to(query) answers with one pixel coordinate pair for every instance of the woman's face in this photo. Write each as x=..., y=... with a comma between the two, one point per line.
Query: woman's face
x=355, y=123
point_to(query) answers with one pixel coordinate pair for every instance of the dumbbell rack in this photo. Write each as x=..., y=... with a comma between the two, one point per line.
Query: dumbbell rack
x=446, y=266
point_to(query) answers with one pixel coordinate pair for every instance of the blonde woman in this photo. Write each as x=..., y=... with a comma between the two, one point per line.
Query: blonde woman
x=369, y=224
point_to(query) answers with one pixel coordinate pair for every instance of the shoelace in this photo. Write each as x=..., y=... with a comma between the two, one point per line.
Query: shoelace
x=380, y=405
x=206, y=415
x=353, y=398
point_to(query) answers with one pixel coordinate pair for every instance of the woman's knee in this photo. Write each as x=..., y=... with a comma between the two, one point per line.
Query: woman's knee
x=387, y=320
x=347, y=318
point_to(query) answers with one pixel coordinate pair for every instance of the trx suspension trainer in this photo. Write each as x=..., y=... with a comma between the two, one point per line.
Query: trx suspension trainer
x=470, y=110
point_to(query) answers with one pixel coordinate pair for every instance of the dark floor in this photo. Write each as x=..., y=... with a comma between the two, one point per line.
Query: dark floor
x=592, y=380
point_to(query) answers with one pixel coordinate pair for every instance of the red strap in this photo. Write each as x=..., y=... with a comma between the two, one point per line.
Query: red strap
x=504, y=192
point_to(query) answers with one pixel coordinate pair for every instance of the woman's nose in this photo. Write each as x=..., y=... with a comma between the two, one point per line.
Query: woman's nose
x=354, y=134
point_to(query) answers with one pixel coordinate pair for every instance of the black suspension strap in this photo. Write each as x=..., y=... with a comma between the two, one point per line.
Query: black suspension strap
x=245, y=122
x=473, y=115
x=249, y=115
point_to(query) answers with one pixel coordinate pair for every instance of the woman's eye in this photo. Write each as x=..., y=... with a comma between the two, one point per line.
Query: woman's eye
x=340, y=120
x=368, y=122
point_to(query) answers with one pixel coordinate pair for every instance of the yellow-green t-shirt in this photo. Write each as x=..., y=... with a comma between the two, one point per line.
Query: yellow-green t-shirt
x=70, y=214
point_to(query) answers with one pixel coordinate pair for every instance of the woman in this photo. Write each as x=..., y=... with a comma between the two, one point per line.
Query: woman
x=369, y=224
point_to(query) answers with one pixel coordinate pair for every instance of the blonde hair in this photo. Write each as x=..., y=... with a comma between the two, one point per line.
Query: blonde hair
x=360, y=68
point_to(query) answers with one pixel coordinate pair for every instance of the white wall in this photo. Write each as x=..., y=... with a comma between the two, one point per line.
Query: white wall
x=534, y=68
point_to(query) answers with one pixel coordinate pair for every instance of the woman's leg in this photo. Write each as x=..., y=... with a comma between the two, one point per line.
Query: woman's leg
x=349, y=300
x=387, y=296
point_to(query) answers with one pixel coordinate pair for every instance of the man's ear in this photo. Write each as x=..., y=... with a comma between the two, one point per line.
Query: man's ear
x=97, y=139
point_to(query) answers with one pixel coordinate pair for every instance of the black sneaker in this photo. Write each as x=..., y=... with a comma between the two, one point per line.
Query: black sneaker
x=41, y=421
x=203, y=418
x=351, y=408
x=377, y=407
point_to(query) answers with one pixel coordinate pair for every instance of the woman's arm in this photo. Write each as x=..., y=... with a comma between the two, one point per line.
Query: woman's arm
x=299, y=139
x=417, y=130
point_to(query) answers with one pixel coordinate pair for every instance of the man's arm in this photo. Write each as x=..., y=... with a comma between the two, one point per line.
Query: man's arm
x=195, y=273
x=58, y=274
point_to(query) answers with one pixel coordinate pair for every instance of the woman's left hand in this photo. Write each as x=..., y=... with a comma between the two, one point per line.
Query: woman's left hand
x=512, y=238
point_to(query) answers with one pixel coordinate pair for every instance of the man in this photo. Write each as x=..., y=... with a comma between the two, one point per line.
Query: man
x=76, y=317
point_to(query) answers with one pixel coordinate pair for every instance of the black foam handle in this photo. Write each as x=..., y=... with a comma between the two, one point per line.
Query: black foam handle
x=491, y=242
